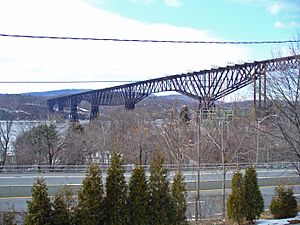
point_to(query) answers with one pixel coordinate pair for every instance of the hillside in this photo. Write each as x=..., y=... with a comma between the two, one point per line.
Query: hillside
x=33, y=106
x=56, y=92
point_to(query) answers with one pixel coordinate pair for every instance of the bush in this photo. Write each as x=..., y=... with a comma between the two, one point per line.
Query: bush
x=116, y=192
x=39, y=208
x=236, y=201
x=90, y=208
x=283, y=204
x=8, y=217
x=253, y=198
x=162, y=209
x=60, y=211
x=179, y=199
x=138, y=197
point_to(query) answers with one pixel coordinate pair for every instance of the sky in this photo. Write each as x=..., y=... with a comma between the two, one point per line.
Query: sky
x=23, y=59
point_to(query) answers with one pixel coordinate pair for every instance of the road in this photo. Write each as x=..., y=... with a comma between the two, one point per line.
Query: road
x=15, y=189
x=76, y=178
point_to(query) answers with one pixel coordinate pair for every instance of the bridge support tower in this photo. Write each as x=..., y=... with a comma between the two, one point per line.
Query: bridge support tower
x=94, y=112
x=74, y=114
x=130, y=106
x=260, y=92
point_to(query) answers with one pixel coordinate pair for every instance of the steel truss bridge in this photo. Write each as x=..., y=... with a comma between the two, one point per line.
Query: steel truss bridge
x=206, y=86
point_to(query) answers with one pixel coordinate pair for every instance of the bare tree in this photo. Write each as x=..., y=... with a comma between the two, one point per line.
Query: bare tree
x=76, y=147
x=5, y=139
x=174, y=135
x=284, y=94
x=230, y=136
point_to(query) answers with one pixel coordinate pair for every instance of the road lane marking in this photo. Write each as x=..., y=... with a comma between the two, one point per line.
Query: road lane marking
x=298, y=185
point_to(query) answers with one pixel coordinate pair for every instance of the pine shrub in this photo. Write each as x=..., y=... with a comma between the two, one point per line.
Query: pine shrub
x=39, y=208
x=138, y=197
x=60, y=211
x=116, y=192
x=283, y=204
x=161, y=205
x=254, y=201
x=236, y=201
x=90, y=207
x=178, y=197
x=70, y=202
x=8, y=217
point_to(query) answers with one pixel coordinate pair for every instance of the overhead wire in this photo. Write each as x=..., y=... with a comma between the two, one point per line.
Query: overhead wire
x=67, y=82
x=127, y=40
x=150, y=40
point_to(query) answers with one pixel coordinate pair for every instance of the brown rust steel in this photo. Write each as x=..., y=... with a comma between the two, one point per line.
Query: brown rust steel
x=207, y=86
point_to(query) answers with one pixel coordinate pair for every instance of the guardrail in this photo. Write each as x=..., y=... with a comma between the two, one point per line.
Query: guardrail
x=129, y=167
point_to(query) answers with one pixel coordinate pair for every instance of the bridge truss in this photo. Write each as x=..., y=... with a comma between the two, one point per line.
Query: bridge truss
x=206, y=86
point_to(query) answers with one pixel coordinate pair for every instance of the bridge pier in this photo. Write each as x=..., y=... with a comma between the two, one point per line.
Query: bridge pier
x=260, y=92
x=130, y=106
x=94, y=112
x=60, y=108
x=51, y=106
x=74, y=113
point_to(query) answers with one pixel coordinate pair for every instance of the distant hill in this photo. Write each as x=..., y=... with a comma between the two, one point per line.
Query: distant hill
x=56, y=92
x=33, y=105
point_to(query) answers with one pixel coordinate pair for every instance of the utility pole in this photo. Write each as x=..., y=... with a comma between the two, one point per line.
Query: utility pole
x=223, y=167
x=199, y=122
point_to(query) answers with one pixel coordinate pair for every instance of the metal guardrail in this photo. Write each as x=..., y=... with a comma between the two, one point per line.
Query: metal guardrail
x=129, y=167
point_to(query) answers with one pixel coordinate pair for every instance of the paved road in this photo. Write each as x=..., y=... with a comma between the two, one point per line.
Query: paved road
x=210, y=201
x=76, y=178
x=15, y=188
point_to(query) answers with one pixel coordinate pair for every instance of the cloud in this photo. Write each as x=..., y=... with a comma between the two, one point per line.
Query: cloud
x=294, y=24
x=279, y=25
x=67, y=60
x=274, y=8
x=145, y=2
x=173, y=3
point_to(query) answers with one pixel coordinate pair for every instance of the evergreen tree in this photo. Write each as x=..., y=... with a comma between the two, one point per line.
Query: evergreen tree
x=39, y=208
x=8, y=217
x=236, y=200
x=60, y=211
x=90, y=207
x=116, y=192
x=70, y=202
x=138, y=197
x=254, y=201
x=284, y=203
x=184, y=114
x=161, y=205
x=178, y=196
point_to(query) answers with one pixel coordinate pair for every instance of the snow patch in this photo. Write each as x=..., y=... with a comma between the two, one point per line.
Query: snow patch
x=277, y=221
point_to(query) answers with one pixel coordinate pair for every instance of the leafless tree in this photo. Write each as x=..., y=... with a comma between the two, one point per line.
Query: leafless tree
x=284, y=94
x=174, y=136
x=5, y=139
x=75, y=149
x=230, y=136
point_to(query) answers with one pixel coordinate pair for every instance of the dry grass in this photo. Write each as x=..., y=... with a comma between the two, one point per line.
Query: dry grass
x=212, y=222
x=266, y=215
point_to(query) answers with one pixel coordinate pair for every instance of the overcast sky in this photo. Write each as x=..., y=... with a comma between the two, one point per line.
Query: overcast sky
x=24, y=59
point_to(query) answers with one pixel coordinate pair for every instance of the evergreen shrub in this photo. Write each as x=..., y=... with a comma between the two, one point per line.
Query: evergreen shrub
x=283, y=204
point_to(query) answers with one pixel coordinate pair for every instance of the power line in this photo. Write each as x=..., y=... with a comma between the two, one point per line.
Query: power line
x=66, y=82
x=149, y=40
